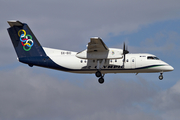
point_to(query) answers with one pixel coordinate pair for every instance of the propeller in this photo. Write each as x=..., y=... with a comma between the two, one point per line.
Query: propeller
x=125, y=51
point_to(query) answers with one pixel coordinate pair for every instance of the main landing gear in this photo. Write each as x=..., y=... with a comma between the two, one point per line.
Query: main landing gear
x=100, y=76
x=161, y=76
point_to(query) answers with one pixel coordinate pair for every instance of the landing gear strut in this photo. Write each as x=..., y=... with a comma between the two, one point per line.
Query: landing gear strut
x=161, y=76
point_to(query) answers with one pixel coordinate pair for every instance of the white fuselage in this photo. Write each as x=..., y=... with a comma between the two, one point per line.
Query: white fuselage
x=134, y=63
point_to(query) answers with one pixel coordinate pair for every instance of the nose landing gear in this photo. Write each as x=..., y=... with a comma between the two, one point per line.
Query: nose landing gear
x=161, y=76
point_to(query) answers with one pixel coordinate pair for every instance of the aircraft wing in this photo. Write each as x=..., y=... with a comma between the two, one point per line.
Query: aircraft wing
x=97, y=45
x=96, y=49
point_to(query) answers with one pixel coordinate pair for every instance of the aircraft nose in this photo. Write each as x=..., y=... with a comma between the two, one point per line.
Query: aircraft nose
x=170, y=68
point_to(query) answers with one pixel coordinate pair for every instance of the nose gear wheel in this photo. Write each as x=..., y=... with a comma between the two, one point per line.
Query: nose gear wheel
x=161, y=76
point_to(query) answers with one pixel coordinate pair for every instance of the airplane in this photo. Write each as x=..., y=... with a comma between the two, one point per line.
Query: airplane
x=97, y=59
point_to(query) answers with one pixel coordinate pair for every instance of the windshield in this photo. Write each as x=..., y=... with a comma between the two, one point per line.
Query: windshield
x=152, y=58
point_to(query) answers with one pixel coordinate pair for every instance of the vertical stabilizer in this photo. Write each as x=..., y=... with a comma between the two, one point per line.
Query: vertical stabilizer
x=24, y=41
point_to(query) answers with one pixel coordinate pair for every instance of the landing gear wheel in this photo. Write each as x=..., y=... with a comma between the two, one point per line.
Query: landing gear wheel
x=160, y=77
x=98, y=74
x=101, y=80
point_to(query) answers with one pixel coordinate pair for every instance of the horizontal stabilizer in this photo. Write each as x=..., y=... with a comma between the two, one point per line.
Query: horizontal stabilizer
x=14, y=23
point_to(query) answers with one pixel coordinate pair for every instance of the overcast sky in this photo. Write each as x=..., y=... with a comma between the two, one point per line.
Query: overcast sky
x=150, y=26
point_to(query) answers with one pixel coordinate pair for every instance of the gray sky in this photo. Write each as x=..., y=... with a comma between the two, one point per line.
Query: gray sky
x=43, y=94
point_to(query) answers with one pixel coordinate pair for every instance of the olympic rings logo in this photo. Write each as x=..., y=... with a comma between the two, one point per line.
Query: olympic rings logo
x=26, y=40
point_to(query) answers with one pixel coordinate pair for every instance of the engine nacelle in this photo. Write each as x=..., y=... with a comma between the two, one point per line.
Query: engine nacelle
x=110, y=54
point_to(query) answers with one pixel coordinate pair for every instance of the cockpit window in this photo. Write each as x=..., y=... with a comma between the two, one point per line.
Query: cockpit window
x=156, y=58
x=152, y=58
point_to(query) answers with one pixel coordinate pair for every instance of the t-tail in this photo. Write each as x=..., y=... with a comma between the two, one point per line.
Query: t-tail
x=26, y=45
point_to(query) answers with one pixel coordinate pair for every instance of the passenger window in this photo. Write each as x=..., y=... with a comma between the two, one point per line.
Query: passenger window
x=127, y=60
x=132, y=60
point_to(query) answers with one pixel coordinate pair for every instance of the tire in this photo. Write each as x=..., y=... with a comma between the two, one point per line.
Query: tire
x=160, y=77
x=98, y=74
x=101, y=80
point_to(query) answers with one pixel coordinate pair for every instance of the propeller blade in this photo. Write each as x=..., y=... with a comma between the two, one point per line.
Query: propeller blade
x=125, y=51
x=124, y=58
x=124, y=47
